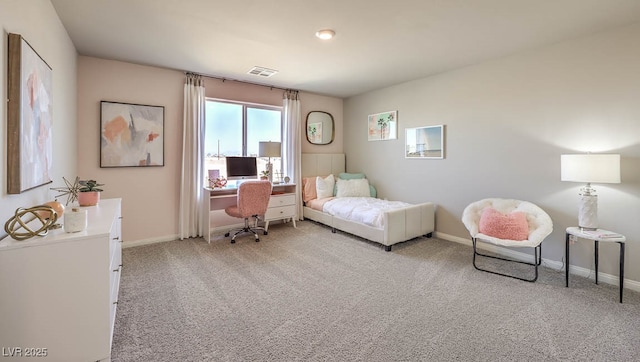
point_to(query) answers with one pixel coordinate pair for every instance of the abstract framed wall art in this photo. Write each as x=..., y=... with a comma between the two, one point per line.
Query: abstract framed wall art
x=29, y=118
x=424, y=142
x=131, y=135
x=383, y=126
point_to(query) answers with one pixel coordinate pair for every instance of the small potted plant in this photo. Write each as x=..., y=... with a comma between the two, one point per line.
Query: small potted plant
x=89, y=194
x=264, y=175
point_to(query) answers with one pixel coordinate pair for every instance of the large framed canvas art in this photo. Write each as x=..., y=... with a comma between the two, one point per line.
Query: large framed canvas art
x=29, y=118
x=132, y=135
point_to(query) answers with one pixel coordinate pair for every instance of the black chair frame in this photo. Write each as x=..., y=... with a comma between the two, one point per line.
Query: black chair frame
x=537, y=261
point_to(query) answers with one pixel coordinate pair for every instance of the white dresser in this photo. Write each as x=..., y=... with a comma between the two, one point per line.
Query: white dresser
x=59, y=293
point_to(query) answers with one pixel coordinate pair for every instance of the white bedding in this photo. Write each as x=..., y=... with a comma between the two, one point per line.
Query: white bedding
x=365, y=210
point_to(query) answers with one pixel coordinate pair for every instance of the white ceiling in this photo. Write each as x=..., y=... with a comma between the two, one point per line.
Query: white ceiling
x=378, y=42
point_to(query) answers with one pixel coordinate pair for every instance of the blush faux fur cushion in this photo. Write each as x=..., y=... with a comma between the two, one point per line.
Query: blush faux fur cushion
x=512, y=226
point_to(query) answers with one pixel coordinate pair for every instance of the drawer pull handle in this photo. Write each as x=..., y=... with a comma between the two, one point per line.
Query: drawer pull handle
x=116, y=270
x=116, y=302
x=116, y=238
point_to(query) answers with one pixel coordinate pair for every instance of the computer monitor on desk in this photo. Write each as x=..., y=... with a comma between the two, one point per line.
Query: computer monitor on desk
x=241, y=168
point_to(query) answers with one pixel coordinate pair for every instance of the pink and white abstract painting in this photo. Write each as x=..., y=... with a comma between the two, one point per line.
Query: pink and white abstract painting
x=132, y=135
x=29, y=118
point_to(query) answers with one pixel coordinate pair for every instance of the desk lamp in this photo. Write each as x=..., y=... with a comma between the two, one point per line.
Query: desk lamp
x=597, y=168
x=269, y=149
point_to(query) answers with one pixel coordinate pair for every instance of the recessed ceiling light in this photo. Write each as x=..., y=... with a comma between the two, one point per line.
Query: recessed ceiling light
x=325, y=34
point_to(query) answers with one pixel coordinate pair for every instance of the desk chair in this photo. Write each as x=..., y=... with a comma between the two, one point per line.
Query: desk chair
x=253, y=200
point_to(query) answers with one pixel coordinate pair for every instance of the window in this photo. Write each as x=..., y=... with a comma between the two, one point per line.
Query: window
x=235, y=129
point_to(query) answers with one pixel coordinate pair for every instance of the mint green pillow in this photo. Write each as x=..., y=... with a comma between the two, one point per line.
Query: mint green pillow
x=351, y=176
x=372, y=191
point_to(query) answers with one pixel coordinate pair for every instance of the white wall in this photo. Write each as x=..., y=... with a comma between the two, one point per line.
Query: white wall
x=507, y=123
x=150, y=195
x=38, y=23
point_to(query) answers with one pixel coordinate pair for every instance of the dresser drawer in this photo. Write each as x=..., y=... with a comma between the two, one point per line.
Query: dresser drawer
x=280, y=212
x=114, y=286
x=115, y=259
x=115, y=244
x=282, y=200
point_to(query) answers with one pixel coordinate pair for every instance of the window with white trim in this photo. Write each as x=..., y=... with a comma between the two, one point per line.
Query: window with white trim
x=235, y=129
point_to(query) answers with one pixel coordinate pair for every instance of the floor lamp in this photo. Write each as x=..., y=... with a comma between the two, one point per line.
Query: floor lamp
x=596, y=168
x=269, y=149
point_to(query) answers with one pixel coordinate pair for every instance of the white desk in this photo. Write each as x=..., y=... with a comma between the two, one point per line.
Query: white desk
x=597, y=236
x=282, y=206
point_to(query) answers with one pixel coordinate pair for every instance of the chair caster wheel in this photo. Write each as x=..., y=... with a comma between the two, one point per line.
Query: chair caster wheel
x=233, y=241
x=257, y=240
x=266, y=233
x=226, y=235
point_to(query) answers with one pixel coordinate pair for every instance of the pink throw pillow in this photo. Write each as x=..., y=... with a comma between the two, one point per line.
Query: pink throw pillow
x=309, y=189
x=513, y=226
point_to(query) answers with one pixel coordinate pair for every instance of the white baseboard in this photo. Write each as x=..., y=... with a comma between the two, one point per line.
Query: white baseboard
x=554, y=264
x=131, y=244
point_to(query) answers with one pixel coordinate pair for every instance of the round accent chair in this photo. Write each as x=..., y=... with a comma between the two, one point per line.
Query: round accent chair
x=507, y=223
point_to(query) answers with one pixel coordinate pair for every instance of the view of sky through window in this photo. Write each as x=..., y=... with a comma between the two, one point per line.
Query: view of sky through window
x=224, y=126
x=224, y=132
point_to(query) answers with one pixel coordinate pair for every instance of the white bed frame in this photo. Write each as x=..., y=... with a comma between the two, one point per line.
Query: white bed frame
x=399, y=225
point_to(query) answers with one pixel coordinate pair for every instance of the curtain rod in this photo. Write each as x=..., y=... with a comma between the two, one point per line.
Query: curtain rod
x=241, y=81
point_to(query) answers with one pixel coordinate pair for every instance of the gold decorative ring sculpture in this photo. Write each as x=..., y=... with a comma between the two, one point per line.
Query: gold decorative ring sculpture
x=17, y=227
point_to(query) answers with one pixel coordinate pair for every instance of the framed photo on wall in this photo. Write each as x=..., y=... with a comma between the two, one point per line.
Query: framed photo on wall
x=29, y=118
x=383, y=126
x=424, y=142
x=131, y=135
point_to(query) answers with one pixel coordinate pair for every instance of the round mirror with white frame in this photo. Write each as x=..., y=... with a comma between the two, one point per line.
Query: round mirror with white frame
x=320, y=128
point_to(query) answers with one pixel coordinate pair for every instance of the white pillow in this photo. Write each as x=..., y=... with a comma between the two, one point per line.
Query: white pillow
x=353, y=188
x=324, y=186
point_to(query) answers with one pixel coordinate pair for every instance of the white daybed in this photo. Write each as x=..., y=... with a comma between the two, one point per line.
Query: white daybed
x=398, y=225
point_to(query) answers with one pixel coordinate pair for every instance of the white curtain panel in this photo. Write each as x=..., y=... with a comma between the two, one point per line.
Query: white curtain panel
x=191, y=223
x=292, y=150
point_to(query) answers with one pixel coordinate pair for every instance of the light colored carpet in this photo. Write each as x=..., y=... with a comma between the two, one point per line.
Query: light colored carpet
x=306, y=294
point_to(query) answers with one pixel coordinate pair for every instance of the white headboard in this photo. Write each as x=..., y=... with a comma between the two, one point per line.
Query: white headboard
x=322, y=164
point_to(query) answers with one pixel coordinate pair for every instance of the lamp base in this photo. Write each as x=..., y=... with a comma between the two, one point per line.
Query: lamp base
x=588, y=212
x=270, y=169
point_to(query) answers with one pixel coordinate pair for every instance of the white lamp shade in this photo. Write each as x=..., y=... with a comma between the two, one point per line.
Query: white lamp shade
x=269, y=149
x=591, y=168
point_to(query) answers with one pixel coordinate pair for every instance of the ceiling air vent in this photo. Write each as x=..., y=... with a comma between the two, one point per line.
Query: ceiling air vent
x=262, y=72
